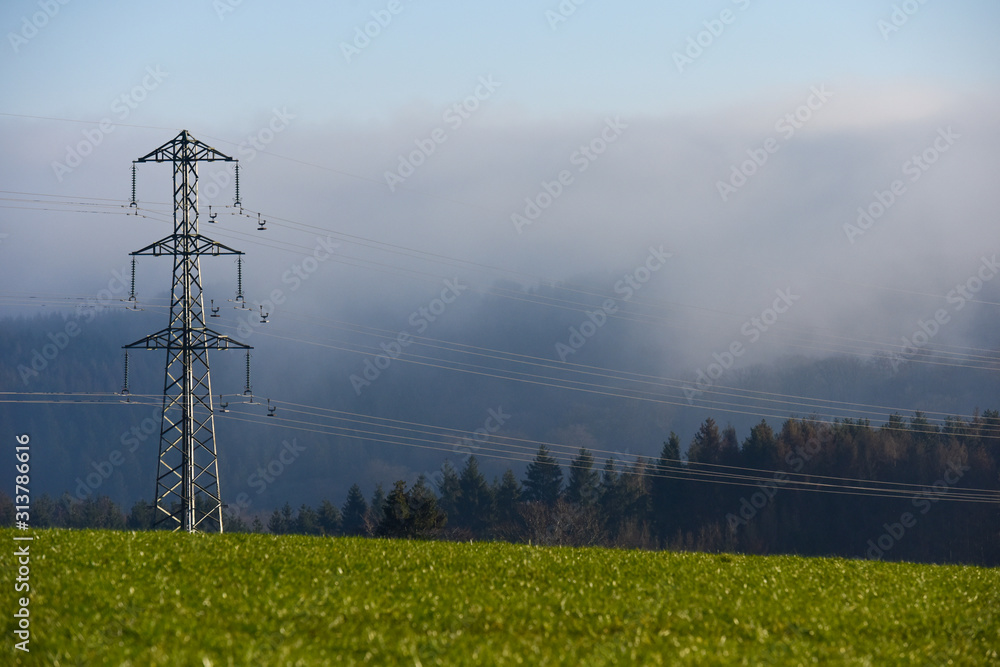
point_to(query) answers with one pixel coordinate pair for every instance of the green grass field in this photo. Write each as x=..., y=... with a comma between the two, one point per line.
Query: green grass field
x=176, y=599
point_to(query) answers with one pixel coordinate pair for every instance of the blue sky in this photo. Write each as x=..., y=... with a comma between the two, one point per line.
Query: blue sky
x=228, y=66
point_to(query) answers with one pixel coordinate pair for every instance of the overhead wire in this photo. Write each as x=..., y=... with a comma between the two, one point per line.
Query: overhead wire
x=969, y=356
x=978, y=495
x=547, y=381
x=693, y=471
x=573, y=305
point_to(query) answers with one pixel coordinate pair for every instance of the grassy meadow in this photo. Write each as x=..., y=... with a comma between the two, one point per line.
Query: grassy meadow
x=121, y=598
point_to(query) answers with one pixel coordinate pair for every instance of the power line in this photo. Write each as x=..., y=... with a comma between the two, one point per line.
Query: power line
x=560, y=383
x=855, y=487
x=397, y=432
x=838, y=344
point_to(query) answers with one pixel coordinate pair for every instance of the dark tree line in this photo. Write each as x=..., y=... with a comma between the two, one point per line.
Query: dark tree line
x=675, y=502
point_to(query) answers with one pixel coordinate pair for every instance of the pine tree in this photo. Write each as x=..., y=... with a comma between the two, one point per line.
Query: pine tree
x=141, y=516
x=543, y=480
x=376, y=508
x=7, y=510
x=234, y=523
x=583, y=480
x=355, y=509
x=276, y=525
x=666, y=491
x=760, y=449
x=706, y=446
x=307, y=522
x=426, y=517
x=475, y=510
x=451, y=492
x=611, y=496
x=729, y=453
x=44, y=512
x=635, y=492
x=396, y=520
x=329, y=518
x=609, y=477
x=508, y=495
x=923, y=431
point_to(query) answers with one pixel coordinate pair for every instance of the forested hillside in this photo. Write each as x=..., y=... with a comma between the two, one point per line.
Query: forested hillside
x=449, y=411
x=807, y=489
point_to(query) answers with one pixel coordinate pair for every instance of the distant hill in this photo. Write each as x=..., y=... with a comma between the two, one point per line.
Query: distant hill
x=39, y=354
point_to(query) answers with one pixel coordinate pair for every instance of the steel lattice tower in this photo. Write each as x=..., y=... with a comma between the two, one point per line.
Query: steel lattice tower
x=187, y=480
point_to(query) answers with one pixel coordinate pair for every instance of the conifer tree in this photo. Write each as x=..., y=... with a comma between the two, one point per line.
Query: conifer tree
x=451, y=491
x=543, y=480
x=583, y=480
x=475, y=509
x=355, y=509
x=329, y=518
x=508, y=495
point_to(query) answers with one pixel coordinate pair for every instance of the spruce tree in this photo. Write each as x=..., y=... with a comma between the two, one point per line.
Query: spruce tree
x=307, y=521
x=611, y=495
x=508, y=495
x=234, y=523
x=475, y=509
x=376, y=507
x=760, y=449
x=583, y=480
x=425, y=515
x=706, y=446
x=543, y=480
x=666, y=488
x=141, y=516
x=329, y=518
x=396, y=520
x=355, y=509
x=451, y=492
x=276, y=525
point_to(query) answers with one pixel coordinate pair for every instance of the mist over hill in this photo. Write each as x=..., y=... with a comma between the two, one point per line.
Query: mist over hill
x=487, y=360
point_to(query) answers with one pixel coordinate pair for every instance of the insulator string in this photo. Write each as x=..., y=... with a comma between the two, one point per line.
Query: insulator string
x=237, y=201
x=133, y=203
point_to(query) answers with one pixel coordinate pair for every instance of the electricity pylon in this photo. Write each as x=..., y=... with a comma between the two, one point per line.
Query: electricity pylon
x=187, y=479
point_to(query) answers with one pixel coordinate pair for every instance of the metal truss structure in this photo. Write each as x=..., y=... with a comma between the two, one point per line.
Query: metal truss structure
x=188, y=496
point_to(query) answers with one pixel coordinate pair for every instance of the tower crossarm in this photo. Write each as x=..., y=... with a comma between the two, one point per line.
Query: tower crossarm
x=186, y=245
x=187, y=148
x=173, y=339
